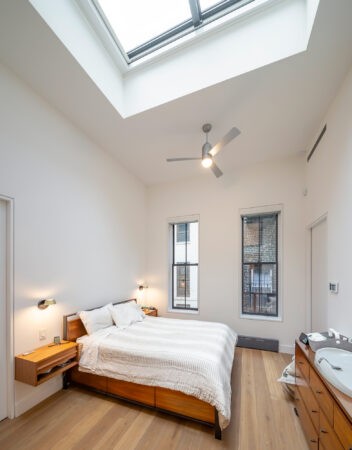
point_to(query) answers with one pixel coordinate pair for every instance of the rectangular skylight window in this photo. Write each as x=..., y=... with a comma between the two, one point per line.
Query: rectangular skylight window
x=205, y=4
x=137, y=22
x=141, y=27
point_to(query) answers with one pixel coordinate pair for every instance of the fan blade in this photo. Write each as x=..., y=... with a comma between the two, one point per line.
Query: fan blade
x=182, y=159
x=216, y=171
x=234, y=132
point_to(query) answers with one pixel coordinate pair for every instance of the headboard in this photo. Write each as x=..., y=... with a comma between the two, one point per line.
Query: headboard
x=73, y=326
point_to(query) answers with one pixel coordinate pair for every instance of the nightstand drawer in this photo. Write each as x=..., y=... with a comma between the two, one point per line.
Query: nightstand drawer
x=322, y=395
x=150, y=312
x=54, y=361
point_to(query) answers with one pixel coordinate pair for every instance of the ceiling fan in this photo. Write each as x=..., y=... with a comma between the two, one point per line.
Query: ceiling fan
x=208, y=152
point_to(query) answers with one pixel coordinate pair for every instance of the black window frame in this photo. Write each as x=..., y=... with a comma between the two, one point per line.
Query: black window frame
x=186, y=265
x=260, y=263
x=198, y=19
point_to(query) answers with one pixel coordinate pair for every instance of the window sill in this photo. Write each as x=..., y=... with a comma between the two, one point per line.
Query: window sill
x=265, y=318
x=183, y=311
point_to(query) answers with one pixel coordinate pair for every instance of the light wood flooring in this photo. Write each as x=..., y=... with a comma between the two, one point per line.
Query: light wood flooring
x=263, y=418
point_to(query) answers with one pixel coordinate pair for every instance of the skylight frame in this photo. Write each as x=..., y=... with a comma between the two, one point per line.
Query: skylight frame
x=199, y=19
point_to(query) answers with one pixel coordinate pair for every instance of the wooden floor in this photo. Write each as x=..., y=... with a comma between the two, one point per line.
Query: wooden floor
x=262, y=418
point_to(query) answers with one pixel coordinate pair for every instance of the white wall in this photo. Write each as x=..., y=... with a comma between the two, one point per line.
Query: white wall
x=218, y=201
x=79, y=221
x=329, y=182
x=276, y=31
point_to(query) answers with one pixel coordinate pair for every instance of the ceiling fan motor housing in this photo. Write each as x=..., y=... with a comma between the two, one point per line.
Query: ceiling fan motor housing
x=206, y=149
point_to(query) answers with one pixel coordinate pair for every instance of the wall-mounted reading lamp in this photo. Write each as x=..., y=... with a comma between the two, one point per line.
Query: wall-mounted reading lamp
x=141, y=287
x=43, y=304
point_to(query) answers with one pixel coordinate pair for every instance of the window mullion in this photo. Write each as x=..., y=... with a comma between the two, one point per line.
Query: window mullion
x=195, y=11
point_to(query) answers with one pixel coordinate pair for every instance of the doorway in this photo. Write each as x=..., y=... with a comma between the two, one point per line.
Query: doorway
x=319, y=276
x=7, y=400
x=3, y=328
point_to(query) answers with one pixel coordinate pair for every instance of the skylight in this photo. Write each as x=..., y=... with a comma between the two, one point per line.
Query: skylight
x=141, y=27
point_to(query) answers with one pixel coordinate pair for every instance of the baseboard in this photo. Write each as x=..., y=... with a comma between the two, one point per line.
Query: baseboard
x=290, y=349
x=37, y=394
x=258, y=343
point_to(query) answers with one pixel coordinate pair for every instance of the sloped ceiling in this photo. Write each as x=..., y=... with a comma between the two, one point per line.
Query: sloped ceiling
x=278, y=107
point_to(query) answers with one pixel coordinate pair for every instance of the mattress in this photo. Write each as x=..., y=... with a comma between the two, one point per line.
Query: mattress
x=190, y=356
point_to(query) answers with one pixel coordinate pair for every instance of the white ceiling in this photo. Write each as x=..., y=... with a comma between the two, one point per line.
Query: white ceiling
x=278, y=108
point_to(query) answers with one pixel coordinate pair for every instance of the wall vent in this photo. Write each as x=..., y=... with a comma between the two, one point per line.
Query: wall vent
x=316, y=143
x=256, y=343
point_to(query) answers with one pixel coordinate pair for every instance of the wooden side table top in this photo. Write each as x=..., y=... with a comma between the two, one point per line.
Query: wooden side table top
x=47, y=351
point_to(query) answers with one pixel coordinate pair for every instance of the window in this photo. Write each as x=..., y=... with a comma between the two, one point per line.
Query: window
x=182, y=232
x=144, y=26
x=184, y=265
x=182, y=281
x=260, y=264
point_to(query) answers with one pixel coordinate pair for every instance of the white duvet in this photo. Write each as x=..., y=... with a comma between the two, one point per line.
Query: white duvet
x=190, y=356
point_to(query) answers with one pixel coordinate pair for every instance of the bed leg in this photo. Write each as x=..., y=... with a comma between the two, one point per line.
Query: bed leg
x=217, y=426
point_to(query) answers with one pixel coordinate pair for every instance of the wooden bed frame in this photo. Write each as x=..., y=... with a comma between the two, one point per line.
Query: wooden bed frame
x=158, y=398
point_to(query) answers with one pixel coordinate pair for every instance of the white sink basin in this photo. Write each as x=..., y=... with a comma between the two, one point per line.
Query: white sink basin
x=341, y=379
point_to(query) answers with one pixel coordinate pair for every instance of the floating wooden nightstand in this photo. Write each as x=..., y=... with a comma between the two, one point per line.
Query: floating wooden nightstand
x=150, y=312
x=46, y=362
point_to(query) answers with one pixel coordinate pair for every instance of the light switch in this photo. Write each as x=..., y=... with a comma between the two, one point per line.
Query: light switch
x=42, y=335
x=334, y=287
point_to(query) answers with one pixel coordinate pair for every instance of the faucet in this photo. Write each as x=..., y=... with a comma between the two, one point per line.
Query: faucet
x=334, y=333
x=331, y=365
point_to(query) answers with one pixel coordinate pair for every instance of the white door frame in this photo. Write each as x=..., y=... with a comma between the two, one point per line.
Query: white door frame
x=10, y=305
x=309, y=298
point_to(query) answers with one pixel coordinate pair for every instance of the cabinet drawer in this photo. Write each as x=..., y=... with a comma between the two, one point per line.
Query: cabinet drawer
x=88, y=379
x=327, y=435
x=62, y=357
x=311, y=404
x=307, y=425
x=302, y=363
x=343, y=428
x=322, y=395
x=132, y=391
x=187, y=405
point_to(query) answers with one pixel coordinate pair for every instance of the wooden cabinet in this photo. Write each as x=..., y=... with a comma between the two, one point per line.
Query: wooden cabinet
x=325, y=412
x=150, y=312
x=309, y=428
x=302, y=364
x=342, y=428
x=322, y=395
x=45, y=362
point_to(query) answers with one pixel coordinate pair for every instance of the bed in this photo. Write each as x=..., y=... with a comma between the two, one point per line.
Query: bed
x=182, y=367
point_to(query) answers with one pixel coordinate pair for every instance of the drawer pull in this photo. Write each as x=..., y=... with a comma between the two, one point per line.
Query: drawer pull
x=314, y=411
x=318, y=392
x=324, y=431
x=313, y=440
x=300, y=362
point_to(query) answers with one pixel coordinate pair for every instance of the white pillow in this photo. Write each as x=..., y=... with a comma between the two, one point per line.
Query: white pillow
x=96, y=319
x=125, y=314
x=139, y=309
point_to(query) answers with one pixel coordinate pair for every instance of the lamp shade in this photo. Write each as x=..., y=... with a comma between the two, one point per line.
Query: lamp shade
x=141, y=287
x=43, y=304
